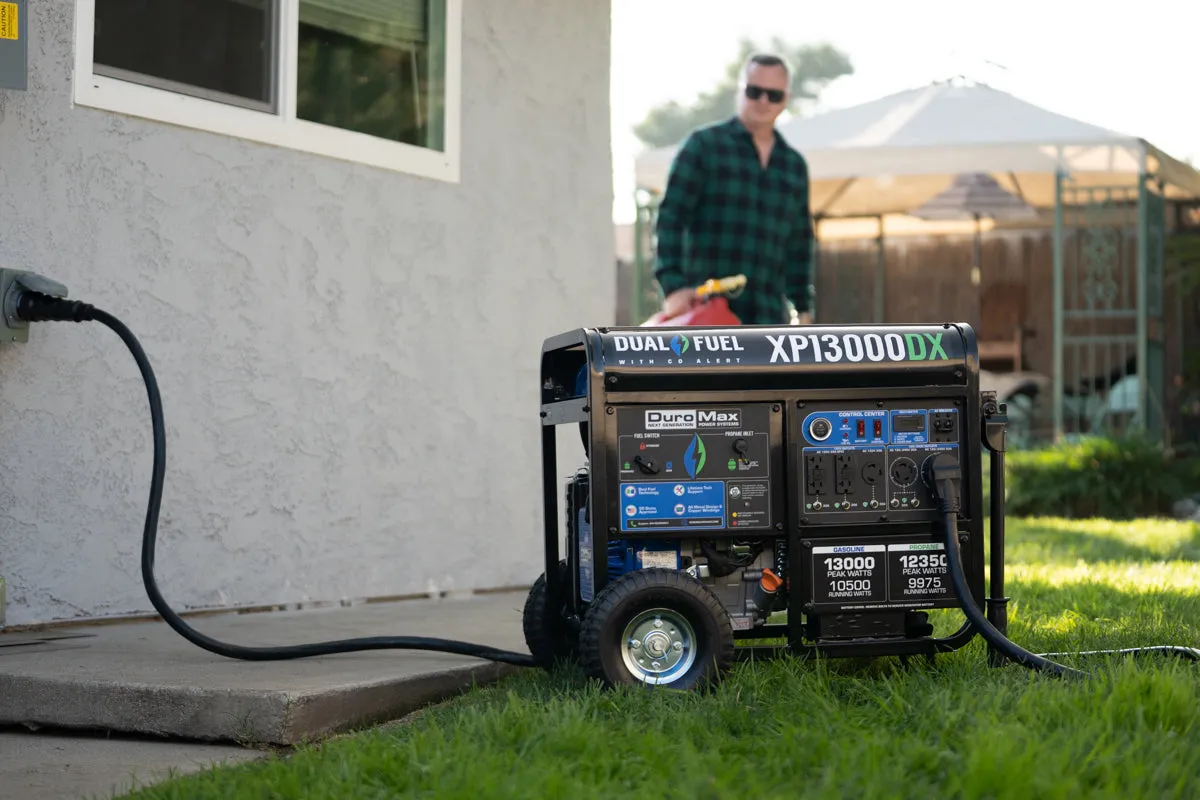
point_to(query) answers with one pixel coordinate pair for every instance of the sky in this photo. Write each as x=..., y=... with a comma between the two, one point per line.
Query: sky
x=1131, y=69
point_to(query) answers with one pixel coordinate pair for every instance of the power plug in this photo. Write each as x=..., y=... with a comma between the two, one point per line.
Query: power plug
x=13, y=284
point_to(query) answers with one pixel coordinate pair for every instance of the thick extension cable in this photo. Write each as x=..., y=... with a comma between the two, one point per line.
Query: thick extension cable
x=35, y=307
x=945, y=477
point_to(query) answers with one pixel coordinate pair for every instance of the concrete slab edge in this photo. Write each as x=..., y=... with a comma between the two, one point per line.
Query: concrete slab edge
x=54, y=625
x=319, y=716
x=246, y=717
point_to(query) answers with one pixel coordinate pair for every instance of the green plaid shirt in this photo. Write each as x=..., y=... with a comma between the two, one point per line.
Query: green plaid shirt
x=723, y=214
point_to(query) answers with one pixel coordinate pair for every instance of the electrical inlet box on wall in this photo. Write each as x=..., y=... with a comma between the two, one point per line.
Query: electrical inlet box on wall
x=14, y=44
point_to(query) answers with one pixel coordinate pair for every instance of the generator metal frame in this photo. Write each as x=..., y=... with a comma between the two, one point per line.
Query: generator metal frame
x=788, y=387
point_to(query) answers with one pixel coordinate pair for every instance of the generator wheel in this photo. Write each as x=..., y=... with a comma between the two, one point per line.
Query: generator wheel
x=546, y=647
x=657, y=627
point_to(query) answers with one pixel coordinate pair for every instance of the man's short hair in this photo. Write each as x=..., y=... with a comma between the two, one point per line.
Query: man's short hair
x=767, y=60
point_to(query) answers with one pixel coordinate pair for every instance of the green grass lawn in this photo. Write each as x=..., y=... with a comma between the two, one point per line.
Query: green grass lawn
x=833, y=729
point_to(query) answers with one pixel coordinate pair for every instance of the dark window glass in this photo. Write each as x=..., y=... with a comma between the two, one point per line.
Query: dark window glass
x=373, y=66
x=221, y=49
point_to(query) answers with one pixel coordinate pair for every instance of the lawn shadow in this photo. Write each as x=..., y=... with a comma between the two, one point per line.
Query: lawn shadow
x=1042, y=542
x=1095, y=615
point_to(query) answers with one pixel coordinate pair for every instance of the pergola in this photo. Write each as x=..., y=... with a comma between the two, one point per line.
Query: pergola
x=1096, y=189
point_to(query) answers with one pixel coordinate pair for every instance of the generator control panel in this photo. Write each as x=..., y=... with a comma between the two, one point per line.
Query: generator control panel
x=699, y=467
x=864, y=461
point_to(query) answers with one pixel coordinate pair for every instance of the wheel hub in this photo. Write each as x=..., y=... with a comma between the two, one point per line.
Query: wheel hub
x=658, y=646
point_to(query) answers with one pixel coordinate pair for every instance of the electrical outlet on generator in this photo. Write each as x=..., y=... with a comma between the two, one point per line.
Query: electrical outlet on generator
x=877, y=452
x=872, y=471
x=817, y=473
x=845, y=469
x=943, y=426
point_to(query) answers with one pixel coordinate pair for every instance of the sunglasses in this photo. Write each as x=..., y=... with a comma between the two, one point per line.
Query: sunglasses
x=754, y=92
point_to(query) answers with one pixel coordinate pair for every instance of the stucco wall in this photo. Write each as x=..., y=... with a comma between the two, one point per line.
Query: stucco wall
x=346, y=415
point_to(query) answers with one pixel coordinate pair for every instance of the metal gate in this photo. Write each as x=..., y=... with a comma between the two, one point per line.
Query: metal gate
x=1109, y=326
x=1153, y=325
x=644, y=297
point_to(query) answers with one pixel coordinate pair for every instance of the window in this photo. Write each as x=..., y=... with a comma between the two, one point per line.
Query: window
x=373, y=81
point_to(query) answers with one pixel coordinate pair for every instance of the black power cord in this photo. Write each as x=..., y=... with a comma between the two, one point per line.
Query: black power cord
x=945, y=476
x=36, y=307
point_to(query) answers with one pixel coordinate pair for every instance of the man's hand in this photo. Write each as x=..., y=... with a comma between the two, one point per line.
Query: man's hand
x=805, y=318
x=678, y=302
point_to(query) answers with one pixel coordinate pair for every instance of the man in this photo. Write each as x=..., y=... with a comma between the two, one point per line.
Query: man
x=737, y=202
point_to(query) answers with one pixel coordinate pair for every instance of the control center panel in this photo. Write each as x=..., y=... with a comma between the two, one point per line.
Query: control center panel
x=860, y=461
x=699, y=467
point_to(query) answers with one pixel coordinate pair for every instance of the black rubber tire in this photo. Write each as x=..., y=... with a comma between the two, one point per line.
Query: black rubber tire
x=622, y=599
x=546, y=648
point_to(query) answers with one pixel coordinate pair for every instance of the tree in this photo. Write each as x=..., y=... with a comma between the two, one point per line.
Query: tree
x=1182, y=259
x=813, y=68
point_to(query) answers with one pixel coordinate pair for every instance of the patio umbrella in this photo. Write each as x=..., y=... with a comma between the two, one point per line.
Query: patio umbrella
x=975, y=195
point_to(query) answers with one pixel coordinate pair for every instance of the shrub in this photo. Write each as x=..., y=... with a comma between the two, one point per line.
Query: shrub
x=1118, y=478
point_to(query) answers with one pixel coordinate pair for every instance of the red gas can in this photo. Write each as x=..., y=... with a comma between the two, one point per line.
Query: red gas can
x=709, y=308
x=708, y=313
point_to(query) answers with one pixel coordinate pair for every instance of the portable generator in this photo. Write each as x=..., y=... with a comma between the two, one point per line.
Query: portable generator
x=733, y=473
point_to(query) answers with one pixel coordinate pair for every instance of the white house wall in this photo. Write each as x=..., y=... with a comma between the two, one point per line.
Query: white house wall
x=347, y=414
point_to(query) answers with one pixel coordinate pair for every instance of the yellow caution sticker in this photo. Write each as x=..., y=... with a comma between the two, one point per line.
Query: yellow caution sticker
x=8, y=21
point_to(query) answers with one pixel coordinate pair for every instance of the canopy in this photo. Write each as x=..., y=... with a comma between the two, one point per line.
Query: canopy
x=891, y=155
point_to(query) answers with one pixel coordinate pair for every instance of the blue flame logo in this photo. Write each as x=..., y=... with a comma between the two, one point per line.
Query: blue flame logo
x=679, y=344
x=694, y=457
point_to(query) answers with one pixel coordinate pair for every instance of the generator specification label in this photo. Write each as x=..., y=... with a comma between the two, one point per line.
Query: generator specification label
x=919, y=572
x=9, y=23
x=874, y=576
x=849, y=573
x=694, y=467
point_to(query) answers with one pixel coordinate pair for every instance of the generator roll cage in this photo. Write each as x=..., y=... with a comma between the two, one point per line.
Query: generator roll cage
x=584, y=383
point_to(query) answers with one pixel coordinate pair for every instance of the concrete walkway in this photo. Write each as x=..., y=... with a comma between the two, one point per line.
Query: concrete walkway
x=55, y=766
x=142, y=678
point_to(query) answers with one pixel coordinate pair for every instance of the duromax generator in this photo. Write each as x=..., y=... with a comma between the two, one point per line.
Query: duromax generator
x=734, y=473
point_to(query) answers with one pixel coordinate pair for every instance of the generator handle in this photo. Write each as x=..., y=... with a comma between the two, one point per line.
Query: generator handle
x=995, y=439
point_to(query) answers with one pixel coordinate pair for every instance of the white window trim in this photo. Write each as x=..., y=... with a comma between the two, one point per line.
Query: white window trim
x=282, y=129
